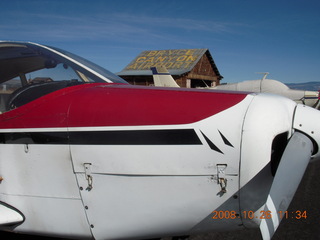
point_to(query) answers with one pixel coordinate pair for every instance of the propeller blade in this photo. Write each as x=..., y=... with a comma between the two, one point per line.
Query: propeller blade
x=290, y=171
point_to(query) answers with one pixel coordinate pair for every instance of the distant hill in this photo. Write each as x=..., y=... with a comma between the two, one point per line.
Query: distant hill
x=311, y=86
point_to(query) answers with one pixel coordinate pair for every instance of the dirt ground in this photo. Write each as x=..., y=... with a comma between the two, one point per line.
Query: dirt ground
x=307, y=198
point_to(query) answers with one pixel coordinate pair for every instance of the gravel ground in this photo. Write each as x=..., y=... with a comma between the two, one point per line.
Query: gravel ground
x=307, y=198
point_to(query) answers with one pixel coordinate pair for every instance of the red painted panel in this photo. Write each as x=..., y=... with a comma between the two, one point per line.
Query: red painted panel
x=132, y=106
x=119, y=105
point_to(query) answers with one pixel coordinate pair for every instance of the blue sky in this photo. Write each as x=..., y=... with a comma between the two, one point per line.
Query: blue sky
x=243, y=36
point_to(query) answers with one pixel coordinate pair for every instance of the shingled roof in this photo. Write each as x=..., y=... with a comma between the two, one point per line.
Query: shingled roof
x=178, y=62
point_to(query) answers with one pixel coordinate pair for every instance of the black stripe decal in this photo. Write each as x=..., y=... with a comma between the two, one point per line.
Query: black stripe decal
x=34, y=138
x=136, y=137
x=125, y=137
x=225, y=140
x=211, y=144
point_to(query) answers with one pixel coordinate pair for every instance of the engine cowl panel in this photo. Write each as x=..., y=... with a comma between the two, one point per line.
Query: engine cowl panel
x=160, y=162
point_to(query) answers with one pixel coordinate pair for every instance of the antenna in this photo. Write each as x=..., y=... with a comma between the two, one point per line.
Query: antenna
x=265, y=74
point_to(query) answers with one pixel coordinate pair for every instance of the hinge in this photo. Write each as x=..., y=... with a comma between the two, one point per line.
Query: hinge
x=87, y=171
x=221, y=168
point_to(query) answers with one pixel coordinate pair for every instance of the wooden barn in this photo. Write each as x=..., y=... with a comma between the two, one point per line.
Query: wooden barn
x=190, y=68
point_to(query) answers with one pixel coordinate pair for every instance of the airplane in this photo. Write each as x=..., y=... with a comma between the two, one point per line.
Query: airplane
x=309, y=98
x=162, y=78
x=85, y=155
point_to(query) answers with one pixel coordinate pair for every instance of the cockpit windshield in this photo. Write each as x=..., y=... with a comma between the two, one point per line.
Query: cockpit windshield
x=25, y=66
x=99, y=70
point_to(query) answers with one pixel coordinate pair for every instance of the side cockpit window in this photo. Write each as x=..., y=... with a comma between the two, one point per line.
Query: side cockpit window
x=28, y=73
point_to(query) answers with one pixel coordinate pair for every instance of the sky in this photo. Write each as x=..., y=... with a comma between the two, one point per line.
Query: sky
x=244, y=37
